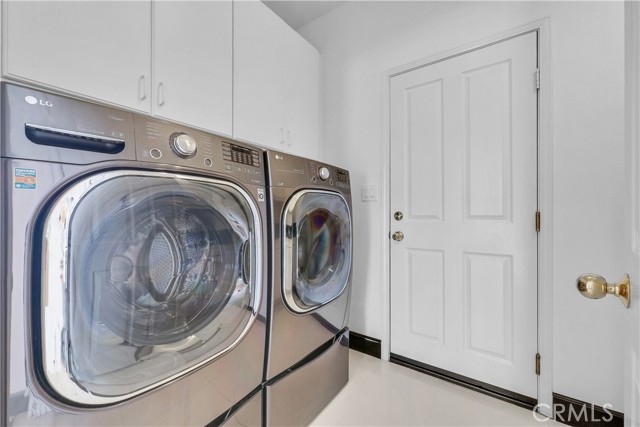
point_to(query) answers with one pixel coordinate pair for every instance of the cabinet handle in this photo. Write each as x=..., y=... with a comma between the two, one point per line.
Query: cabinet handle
x=142, y=88
x=285, y=137
x=160, y=94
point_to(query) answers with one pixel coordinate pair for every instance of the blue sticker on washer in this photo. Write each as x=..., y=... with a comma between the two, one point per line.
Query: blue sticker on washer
x=25, y=179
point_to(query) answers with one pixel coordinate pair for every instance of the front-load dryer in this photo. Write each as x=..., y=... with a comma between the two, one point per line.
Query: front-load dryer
x=132, y=268
x=310, y=259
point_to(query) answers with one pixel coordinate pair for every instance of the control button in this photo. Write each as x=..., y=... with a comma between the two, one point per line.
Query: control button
x=313, y=179
x=183, y=145
x=155, y=153
x=324, y=173
x=208, y=162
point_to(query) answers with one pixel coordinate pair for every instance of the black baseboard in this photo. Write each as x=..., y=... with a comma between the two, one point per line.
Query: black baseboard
x=577, y=413
x=365, y=344
x=479, y=386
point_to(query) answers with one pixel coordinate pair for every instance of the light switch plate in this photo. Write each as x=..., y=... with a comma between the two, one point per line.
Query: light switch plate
x=369, y=193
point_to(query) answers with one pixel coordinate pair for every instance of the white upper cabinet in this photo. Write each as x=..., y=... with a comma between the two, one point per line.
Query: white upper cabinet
x=193, y=59
x=276, y=82
x=96, y=49
x=301, y=95
x=233, y=68
x=258, y=79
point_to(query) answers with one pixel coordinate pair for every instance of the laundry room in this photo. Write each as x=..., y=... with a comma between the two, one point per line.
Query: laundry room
x=347, y=213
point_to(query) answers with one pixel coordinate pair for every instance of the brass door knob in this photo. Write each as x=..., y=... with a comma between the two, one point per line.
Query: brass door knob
x=398, y=236
x=596, y=287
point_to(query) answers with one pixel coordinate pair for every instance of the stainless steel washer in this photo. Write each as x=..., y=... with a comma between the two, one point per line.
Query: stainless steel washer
x=311, y=257
x=133, y=268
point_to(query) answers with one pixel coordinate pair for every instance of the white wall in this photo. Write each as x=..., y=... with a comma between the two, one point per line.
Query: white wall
x=361, y=40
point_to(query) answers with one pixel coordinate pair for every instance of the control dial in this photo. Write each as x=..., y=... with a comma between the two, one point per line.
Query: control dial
x=183, y=145
x=324, y=173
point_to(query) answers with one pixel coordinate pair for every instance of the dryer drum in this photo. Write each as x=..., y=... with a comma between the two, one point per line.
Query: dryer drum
x=319, y=249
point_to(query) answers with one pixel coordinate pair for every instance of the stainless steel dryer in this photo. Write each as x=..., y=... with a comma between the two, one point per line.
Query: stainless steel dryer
x=311, y=256
x=132, y=268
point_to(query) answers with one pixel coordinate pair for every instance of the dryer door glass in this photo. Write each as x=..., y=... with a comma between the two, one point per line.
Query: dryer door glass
x=316, y=249
x=146, y=276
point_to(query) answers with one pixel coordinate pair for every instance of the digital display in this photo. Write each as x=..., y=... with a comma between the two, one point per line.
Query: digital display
x=342, y=176
x=238, y=154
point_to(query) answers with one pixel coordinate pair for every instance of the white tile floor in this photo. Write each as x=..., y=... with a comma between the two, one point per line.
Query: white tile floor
x=385, y=394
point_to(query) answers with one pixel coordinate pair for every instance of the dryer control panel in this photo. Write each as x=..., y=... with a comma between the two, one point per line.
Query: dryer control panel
x=323, y=174
x=286, y=170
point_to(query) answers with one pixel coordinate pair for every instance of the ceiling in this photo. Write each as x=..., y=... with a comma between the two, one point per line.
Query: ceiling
x=298, y=13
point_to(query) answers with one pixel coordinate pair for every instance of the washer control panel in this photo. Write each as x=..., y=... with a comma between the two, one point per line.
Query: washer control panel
x=160, y=141
x=238, y=154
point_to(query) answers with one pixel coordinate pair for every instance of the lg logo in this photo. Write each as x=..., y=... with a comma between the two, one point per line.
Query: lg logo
x=33, y=101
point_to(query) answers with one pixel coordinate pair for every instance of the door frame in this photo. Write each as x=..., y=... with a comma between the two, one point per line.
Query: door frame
x=632, y=138
x=545, y=201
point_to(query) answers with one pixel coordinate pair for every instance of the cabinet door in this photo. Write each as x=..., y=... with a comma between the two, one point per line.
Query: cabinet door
x=193, y=59
x=97, y=49
x=258, y=74
x=302, y=95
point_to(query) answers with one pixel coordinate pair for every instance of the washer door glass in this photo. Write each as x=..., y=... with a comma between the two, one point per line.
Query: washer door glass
x=159, y=276
x=316, y=239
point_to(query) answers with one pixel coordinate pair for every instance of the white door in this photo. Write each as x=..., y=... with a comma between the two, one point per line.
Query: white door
x=632, y=344
x=463, y=175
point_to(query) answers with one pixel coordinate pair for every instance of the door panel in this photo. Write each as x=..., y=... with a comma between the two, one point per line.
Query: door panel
x=487, y=142
x=426, y=179
x=489, y=304
x=426, y=302
x=464, y=175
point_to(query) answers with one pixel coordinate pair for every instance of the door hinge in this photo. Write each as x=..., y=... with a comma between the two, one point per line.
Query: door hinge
x=537, y=363
x=538, y=221
x=537, y=78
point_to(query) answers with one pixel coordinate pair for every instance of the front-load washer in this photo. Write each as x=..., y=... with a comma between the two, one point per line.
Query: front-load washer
x=310, y=259
x=132, y=268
